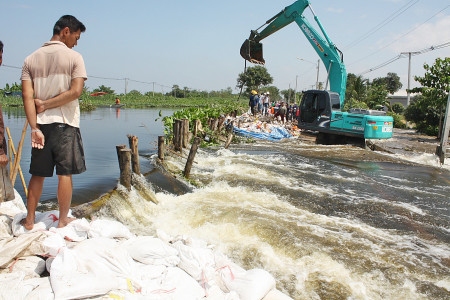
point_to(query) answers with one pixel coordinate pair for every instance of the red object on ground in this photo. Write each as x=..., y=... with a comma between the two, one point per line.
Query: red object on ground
x=98, y=94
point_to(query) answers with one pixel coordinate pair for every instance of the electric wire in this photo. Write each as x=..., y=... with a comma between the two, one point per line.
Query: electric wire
x=415, y=28
x=404, y=54
x=382, y=23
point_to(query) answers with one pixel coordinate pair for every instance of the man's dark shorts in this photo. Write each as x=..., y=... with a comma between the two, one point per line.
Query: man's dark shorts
x=63, y=148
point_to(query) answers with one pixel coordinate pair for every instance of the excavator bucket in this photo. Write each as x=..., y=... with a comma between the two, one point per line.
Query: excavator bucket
x=252, y=51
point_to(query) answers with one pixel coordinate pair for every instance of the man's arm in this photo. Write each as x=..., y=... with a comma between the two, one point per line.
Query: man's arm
x=37, y=138
x=76, y=88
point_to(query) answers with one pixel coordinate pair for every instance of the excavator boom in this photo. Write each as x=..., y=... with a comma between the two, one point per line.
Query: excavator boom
x=332, y=58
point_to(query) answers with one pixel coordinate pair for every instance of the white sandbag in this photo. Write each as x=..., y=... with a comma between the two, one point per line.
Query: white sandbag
x=252, y=285
x=31, y=266
x=150, y=250
x=177, y=284
x=42, y=289
x=16, y=247
x=48, y=264
x=276, y=295
x=53, y=244
x=13, y=207
x=226, y=270
x=75, y=231
x=93, y=267
x=215, y=293
x=11, y=286
x=197, y=262
x=18, y=229
x=108, y=229
x=5, y=226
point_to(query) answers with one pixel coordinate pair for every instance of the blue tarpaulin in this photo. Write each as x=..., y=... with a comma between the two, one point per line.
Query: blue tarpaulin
x=276, y=134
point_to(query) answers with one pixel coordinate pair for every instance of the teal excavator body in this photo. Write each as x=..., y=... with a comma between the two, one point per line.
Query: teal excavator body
x=321, y=110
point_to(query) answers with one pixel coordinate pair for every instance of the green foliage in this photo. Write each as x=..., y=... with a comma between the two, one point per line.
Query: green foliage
x=274, y=92
x=104, y=89
x=425, y=110
x=391, y=82
x=376, y=96
x=15, y=87
x=254, y=78
x=356, y=87
x=353, y=103
x=398, y=108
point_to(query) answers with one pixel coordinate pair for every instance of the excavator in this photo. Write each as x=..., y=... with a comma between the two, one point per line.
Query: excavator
x=321, y=110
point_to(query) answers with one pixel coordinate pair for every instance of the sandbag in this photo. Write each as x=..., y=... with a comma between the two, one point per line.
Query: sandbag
x=42, y=289
x=18, y=247
x=197, y=262
x=75, y=231
x=5, y=226
x=13, y=207
x=93, y=267
x=31, y=266
x=177, y=284
x=108, y=229
x=254, y=284
x=150, y=250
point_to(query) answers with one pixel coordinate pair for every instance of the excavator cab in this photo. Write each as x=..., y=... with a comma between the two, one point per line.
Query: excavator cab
x=252, y=51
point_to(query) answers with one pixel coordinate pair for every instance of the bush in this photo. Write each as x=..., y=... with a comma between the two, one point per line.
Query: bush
x=398, y=108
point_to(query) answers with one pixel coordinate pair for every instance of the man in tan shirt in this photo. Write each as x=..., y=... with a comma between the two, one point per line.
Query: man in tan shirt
x=52, y=80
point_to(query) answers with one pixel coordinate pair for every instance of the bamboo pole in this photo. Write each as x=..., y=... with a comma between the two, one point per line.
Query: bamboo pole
x=12, y=153
x=19, y=154
x=192, y=152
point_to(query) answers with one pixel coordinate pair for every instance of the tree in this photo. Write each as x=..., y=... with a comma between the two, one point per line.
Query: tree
x=254, y=78
x=435, y=88
x=376, y=95
x=288, y=94
x=391, y=82
x=356, y=88
x=104, y=89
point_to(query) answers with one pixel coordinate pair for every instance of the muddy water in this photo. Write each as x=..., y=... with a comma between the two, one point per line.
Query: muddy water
x=329, y=222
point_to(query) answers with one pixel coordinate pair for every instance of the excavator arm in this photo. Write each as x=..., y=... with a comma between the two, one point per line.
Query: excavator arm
x=330, y=55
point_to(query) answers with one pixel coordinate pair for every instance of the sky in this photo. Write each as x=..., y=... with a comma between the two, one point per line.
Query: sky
x=195, y=44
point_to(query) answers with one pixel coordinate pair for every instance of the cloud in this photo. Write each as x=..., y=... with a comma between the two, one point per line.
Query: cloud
x=335, y=10
x=426, y=35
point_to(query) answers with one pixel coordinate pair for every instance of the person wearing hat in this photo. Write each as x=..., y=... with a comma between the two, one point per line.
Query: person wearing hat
x=253, y=103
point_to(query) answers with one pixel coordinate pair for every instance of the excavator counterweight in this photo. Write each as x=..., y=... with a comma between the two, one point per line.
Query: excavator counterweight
x=252, y=51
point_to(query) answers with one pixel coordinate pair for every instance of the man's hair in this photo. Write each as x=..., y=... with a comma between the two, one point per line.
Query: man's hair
x=68, y=21
x=1, y=46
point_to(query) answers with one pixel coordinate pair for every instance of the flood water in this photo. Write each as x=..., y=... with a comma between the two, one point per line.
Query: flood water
x=101, y=130
x=328, y=222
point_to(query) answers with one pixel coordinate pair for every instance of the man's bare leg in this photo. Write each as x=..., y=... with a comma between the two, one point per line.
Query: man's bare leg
x=34, y=194
x=64, y=199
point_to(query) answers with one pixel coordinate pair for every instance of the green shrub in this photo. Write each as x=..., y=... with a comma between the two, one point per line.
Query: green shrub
x=398, y=108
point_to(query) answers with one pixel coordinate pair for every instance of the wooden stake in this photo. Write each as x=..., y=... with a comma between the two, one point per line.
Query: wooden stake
x=12, y=152
x=125, y=167
x=161, y=147
x=133, y=141
x=19, y=154
x=185, y=133
x=190, y=159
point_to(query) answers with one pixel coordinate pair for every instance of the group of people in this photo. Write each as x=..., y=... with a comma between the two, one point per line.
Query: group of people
x=261, y=104
x=52, y=80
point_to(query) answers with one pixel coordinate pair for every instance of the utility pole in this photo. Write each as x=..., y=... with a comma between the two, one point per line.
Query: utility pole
x=295, y=93
x=153, y=89
x=126, y=85
x=408, y=94
x=441, y=150
x=317, y=78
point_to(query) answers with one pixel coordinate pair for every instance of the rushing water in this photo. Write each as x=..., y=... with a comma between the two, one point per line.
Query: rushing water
x=328, y=222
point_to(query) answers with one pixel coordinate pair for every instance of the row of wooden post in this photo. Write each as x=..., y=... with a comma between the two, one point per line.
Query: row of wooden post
x=128, y=161
x=182, y=136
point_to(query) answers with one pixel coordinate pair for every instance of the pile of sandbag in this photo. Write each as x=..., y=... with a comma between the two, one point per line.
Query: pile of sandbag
x=103, y=259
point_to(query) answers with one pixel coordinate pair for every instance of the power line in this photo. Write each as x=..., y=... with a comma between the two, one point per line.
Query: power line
x=403, y=54
x=376, y=52
x=382, y=23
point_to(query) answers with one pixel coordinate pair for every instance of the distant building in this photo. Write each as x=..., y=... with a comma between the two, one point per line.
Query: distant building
x=401, y=97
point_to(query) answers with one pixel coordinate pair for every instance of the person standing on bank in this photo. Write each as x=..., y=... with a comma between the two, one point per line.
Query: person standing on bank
x=3, y=147
x=52, y=80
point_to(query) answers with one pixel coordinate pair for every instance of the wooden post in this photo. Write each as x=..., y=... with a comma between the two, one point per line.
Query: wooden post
x=185, y=133
x=133, y=141
x=230, y=134
x=161, y=147
x=190, y=159
x=197, y=126
x=177, y=135
x=125, y=167
x=221, y=122
x=239, y=123
x=181, y=135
